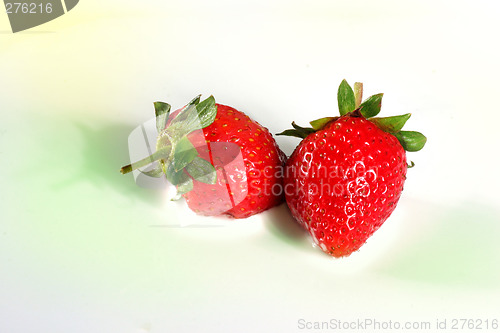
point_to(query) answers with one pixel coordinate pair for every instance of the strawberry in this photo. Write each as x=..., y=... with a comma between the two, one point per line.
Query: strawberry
x=346, y=176
x=221, y=161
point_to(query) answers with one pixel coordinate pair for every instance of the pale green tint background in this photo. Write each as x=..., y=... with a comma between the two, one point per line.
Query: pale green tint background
x=83, y=249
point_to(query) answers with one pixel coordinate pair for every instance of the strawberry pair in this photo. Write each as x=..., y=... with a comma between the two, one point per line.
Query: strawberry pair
x=341, y=182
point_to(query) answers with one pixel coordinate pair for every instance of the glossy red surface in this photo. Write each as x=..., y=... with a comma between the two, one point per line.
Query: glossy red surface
x=343, y=182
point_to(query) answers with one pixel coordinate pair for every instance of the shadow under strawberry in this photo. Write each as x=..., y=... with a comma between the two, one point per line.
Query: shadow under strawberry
x=102, y=151
x=280, y=222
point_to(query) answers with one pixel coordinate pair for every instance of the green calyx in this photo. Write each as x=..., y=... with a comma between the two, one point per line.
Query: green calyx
x=350, y=103
x=175, y=155
x=297, y=131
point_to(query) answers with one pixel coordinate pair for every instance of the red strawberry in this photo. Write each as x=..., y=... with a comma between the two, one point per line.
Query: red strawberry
x=221, y=161
x=346, y=176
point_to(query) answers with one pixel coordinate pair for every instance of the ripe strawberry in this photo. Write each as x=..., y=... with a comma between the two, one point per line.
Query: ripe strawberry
x=221, y=161
x=346, y=176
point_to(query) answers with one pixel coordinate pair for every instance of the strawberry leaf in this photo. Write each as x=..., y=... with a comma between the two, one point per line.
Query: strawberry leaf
x=202, y=171
x=162, y=111
x=298, y=131
x=175, y=177
x=156, y=172
x=183, y=188
x=371, y=106
x=410, y=140
x=320, y=123
x=305, y=131
x=207, y=110
x=184, y=153
x=292, y=132
x=391, y=124
x=345, y=98
x=186, y=111
x=194, y=117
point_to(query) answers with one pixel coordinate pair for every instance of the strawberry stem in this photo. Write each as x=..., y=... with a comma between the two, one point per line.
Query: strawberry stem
x=159, y=154
x=358, y=94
